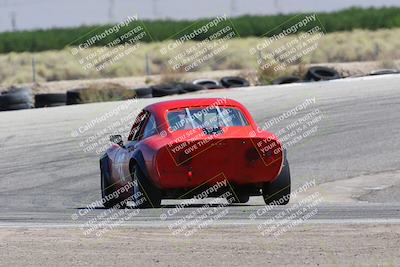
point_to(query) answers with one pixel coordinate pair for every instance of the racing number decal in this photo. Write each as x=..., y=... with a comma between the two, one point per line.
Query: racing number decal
x=120, y=159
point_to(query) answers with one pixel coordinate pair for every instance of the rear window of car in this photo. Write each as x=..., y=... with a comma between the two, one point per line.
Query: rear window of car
x=208, y=117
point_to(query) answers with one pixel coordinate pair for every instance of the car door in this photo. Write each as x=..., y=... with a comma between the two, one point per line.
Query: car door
x=147, y=129
x=123, y=155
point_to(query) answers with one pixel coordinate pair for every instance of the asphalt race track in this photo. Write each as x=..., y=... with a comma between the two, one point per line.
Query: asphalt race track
x=46, y=176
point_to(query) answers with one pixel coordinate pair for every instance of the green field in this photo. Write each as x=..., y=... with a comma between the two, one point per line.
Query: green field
x=246, y=26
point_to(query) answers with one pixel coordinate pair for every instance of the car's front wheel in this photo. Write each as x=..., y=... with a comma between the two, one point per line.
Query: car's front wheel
x=278, y=191
x=145, y=193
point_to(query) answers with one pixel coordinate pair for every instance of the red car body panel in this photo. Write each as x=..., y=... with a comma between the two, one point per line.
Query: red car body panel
x=185, y=159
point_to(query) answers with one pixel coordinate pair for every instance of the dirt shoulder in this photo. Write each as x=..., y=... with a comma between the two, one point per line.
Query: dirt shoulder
x=311, y=244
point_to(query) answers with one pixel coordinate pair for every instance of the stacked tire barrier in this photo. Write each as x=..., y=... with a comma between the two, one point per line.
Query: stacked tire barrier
x=314, y=74
x=22, y=98
x=144, y=92
x=16, y=98
x=234, y=81
x=319, y=73
x=73, y=97
x=175, y=88
x=208, y=83
x=168, y=89
x=50, y=100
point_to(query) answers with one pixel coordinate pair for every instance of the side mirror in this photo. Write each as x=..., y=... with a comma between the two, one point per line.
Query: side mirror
x=117, y=139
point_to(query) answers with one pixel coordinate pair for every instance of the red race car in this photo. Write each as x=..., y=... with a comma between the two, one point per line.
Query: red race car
x=180, y=149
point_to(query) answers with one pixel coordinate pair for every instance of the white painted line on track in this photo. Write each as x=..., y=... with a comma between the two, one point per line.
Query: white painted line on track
x=165, y=224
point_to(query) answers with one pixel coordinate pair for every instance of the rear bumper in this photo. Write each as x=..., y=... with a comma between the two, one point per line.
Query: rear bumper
x=239, y=161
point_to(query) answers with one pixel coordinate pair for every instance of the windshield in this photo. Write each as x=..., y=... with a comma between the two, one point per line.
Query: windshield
x=192, y=118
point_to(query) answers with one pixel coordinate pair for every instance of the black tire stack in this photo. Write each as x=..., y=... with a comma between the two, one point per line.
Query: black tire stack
x=144, y=92
x=73, y=97
x=16, y=98
x=50, y=100
x=175, y=88
x=234, y=81
x=319, y=73
x=208, y=83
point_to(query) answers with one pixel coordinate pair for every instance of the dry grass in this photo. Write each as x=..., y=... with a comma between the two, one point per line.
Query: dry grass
x=105, y=92
x=359, y=45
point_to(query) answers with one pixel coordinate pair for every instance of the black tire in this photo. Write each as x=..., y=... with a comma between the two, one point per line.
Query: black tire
x=73, y=97
x=233, y=81
x=286, y=80
x=11, y=98
x=106, y=187
x=145, y=193
x=189, y=87
x=319, y=73
x=14, y=99
x=50, y=100
x=278, y=191
x=17, y=106
x=208, y=83
x=165, y=90
x=144, y=92
x=384, y=71
x=238, y=195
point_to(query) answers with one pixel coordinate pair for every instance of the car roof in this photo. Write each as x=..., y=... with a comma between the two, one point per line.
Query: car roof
x=192, y=102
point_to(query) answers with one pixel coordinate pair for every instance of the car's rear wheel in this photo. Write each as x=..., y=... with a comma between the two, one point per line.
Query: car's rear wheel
x=145, y=193
x=278, y=191
x=238, y=195
x=107, y=188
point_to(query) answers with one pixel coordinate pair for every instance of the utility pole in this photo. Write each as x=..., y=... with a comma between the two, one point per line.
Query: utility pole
x=33, y=69
x=276, y=6
x=233, y=8
x=147, y=62
x=111, y=6
x=155, y=9
x=13, y=17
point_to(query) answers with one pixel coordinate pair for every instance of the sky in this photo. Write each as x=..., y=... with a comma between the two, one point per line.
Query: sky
x=43, y=14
